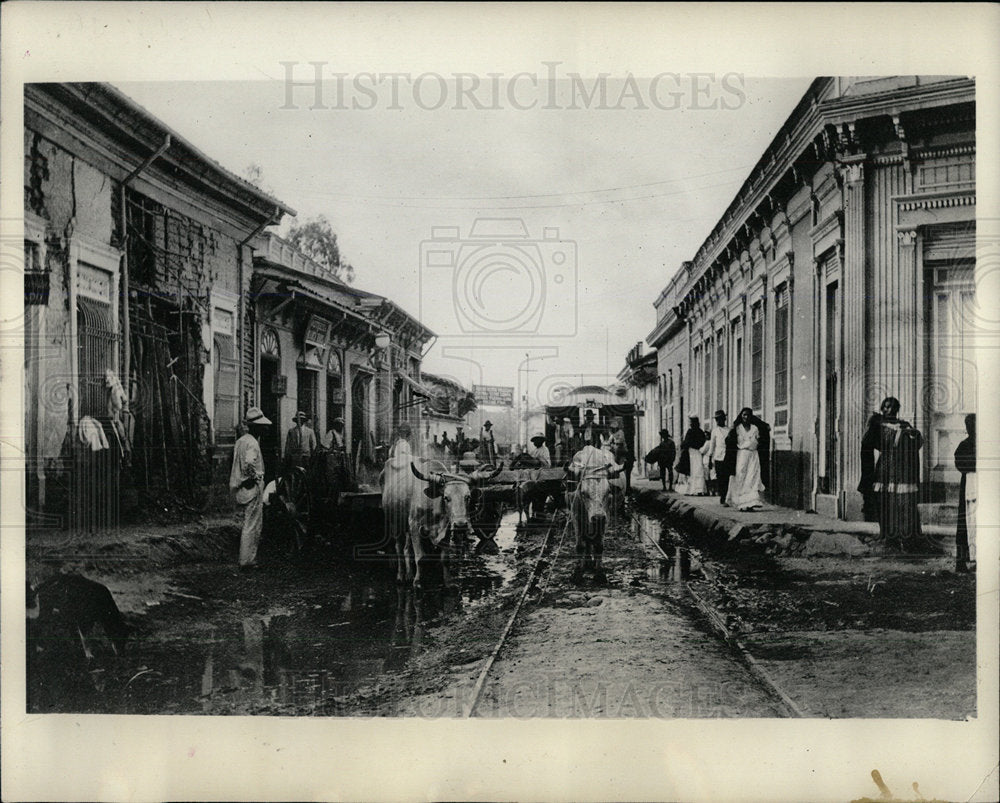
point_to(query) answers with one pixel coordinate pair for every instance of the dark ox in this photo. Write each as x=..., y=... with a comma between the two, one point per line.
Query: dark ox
x=594, y=486
x=439, y=513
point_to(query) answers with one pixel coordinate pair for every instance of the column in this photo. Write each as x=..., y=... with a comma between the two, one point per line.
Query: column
x=853, y=415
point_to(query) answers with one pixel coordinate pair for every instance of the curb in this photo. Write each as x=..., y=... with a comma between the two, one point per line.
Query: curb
x=771, y=537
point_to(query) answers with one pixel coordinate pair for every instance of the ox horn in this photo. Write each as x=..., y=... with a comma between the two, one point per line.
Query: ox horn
x=419, y=476
x=487, y=477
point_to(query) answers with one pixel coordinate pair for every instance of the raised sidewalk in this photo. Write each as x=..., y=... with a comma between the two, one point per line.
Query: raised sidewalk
x=780, y=530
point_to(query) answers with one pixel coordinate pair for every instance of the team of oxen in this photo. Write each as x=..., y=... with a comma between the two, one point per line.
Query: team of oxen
x=430, y=510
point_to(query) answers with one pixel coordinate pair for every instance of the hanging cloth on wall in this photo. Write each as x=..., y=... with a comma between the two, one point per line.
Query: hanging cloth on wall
x=91, y=434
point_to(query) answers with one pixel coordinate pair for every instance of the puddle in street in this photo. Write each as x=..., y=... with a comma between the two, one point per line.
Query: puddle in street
x=676, y=567
x=282, y=639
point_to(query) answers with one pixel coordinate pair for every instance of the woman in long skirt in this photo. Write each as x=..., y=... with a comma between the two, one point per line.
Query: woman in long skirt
x=745, y=485
x=897, y=477
x=694, y=439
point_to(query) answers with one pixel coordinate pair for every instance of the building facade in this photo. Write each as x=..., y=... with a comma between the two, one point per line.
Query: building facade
x=138, y=347
x=446, y=412
x=331, y=350
x=842, y=272
x=640, y=379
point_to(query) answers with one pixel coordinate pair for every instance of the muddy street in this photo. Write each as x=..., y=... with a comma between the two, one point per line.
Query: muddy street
x=682, y=627
x=336, y=636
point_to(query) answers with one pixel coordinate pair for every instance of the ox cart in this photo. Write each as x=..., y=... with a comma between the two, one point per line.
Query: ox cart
x=322, y=501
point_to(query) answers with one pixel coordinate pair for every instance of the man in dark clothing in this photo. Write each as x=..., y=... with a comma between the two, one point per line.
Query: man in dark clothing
x=869, y=505
x=664, y=455
x=965, y=535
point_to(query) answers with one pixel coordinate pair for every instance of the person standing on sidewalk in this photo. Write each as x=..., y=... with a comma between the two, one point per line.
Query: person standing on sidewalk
x=745, y=485
x=717, y=453
x=869, y=504
x=694, y=439
x=664, y=456
x=897, y=477
x=965, y=535
x=247, y=481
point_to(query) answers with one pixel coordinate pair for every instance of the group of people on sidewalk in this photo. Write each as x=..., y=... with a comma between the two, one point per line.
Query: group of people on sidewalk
x=731, y=462
x=736, y=460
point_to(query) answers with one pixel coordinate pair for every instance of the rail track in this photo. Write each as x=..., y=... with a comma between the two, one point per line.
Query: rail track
x=561, y=523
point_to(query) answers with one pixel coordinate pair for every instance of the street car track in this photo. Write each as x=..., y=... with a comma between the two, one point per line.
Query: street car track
x=718, y=626
x=477, y=691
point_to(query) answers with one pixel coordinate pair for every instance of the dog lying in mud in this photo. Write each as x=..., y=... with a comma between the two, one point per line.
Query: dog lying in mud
x=75, y=604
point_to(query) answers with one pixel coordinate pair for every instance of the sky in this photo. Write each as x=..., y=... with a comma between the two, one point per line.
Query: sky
x=589, y=201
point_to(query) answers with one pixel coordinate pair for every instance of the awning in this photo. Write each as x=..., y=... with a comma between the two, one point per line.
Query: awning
x=417, y=388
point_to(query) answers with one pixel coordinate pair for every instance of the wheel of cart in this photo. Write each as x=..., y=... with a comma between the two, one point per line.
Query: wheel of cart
x=329, y=474
x=290, y=512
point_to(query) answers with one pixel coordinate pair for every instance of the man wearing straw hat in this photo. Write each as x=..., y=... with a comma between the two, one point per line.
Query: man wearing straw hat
x=247, y=481
x=300, y=442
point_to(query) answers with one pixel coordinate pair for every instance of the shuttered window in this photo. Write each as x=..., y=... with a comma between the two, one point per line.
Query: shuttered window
x=720, y=371
x=781, y=347
x=757, y=357
x=226, y=368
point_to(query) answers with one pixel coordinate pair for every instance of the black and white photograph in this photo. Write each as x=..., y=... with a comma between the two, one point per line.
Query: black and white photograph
x=550, y=402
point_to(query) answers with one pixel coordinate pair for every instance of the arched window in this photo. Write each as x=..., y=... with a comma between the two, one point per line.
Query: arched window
x=269, y=346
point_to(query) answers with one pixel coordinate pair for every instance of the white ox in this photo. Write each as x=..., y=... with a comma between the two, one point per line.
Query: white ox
x=439, y=512
x=596, y=489
x=398, y=485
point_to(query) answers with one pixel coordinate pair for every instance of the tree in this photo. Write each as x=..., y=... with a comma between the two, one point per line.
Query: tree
x=316, y=239
x=467, y=405
x=254, y=173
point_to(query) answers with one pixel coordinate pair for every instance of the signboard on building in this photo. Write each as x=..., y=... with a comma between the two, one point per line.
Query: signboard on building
x=493, y=395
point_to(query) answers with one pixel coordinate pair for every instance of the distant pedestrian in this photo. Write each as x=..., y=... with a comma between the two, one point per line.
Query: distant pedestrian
x=247, y=481
x=590, y=432
x=869, y=499
x=566, y=441
x=719, y=465
x=745, y=484
x=663, y=456
x=539, y=451
x=615, y=443
x=335, y=437
x=300, y=442
x=488, y=444
x=897, y=477
x=694, y=439
x=706, y=461
x=965, y=535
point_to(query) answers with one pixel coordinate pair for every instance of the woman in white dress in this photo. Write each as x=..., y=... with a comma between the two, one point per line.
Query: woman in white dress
x=745, y=485
x=694, y=439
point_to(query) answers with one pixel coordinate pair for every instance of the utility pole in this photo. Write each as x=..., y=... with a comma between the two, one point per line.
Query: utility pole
x=527, y=403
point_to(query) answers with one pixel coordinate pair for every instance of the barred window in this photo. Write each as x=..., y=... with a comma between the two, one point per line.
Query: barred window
x=757, y=357
x=781, y=347
x=97, y=339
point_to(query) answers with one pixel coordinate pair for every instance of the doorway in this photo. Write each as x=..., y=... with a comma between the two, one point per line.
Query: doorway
x=270, y=405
